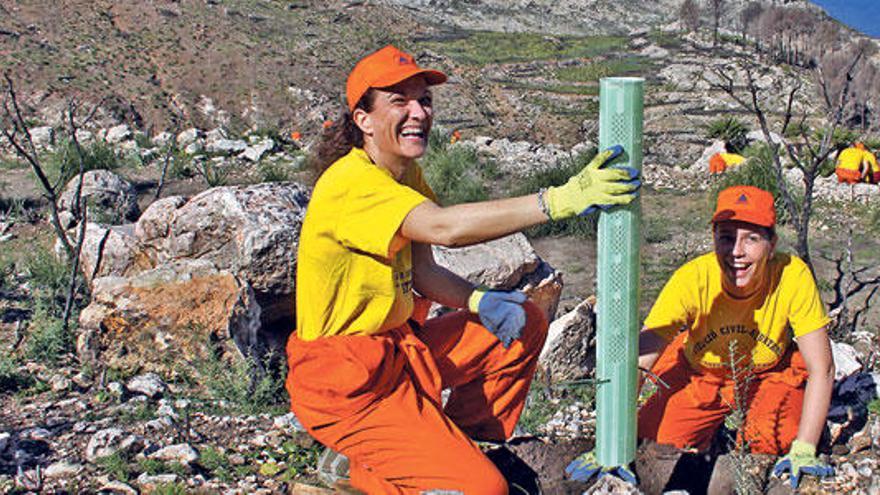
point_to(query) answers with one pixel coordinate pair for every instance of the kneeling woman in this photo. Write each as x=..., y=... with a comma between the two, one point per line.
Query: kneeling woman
x=741, y=304
x=365, y=371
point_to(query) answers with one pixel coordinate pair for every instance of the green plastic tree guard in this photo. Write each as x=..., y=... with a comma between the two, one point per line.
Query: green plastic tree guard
x=621, y=103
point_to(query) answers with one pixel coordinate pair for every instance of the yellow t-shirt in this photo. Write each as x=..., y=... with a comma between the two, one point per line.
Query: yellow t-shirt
x=694, y=300
x=852, y=159
x=348, y=281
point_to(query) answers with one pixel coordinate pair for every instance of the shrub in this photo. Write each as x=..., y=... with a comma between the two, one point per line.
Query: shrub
x=455, y=173
x=246, y=385
x=62, y=163
x=731, y=131
x=583, y=227
x=116, y=466
x=214, y=174
x=49, y=342
x=11, y=380
x=48, y=279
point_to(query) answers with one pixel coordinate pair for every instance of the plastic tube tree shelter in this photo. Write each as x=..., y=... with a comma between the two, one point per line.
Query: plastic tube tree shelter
x=621, y=103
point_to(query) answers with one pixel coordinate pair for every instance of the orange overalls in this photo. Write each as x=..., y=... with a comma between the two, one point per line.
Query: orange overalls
x=376, y=399
x=688, y=413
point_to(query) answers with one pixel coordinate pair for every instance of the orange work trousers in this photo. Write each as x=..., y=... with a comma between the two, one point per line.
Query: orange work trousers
x=689, y=412
x=376, y=399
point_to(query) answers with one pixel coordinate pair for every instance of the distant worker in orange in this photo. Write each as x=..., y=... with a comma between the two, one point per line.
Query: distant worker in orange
x=856, y=164
x=719, y=162
x=366, y=368
x=749, y=300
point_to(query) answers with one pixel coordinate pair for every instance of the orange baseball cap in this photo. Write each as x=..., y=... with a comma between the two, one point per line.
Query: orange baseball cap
x=384, y=68
x=746, y=204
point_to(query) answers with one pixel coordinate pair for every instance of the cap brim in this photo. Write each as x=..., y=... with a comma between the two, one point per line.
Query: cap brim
x=734, y=216
x=432, y=77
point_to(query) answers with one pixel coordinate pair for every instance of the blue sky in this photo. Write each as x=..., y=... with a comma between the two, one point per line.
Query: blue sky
x=863, y=15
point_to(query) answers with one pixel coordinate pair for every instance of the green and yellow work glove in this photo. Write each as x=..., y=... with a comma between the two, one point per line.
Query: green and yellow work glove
x=585, y=466
x=593, y=187
x=801, y=459
x=500, y=311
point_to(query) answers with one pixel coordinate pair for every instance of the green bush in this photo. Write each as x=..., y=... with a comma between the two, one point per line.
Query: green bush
x=455, y=173
x=48, y=279
x=583, y=227
x=62, y=163
x=731, y=131
x=217, y=463
x=48, y=342
x=116, y=466
x=245, y=385
x=11, y=380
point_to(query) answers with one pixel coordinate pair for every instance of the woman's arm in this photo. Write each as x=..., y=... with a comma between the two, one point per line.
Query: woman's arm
x=816, y=350
x=470, y=223
x=436, y=282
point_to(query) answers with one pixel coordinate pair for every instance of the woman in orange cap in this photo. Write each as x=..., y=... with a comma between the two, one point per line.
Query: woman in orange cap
x=365, y=368
x=740, y=304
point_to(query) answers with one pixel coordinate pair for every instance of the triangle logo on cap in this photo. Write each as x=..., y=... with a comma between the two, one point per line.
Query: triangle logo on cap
x=404, y=60
x=742, y=199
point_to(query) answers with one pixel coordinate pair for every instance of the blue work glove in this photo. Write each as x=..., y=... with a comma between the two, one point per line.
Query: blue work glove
x=585, y=466
x=801, y=459
x=593, y=187
x=500, y=311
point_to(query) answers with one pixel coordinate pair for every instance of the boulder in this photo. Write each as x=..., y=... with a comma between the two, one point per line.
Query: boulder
x=156, y=319
x=570, y=350
x=111, y=250
x=187, y=137
x=225, y=146
x=506, y=263
x=846, y=360
x=759, y=136
x=118, y=134
x=111, y=441
x=255, y=152
x=250, y=231
x=43, y=136
x=110, y=198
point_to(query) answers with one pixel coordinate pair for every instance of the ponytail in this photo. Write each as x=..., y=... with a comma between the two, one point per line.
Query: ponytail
x=340, y=137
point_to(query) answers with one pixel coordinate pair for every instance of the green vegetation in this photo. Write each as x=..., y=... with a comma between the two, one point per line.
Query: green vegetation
x=665, y=39
x=214, y=174
x=455, y=173
x=299, y=459
x=48, y=342
x=11, y=380
x=116, y=466
x=731, y=131
x=62, y=163
x=593, y=71
x=583, y=227
x=170, y=489
x=217, y=463
x=481, y=47
x=874, y=406
x=245, y=386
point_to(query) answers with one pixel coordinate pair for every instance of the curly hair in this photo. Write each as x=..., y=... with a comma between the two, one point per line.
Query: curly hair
x=340, y=137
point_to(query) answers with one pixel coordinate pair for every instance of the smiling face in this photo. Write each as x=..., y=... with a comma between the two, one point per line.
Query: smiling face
x=743, y=251
x=397, y=126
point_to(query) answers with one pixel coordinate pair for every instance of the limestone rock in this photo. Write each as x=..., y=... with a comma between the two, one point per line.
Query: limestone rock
x=43, y=136
x=178, y=309
x=181, y=453
x=110, y=441
x=110, y=198
x=111, y=250
x=570, y=350
x=846, y=361
x=118, y=134
x=148, y=384
x=62, y=469
x=250, y=231
x=187, y=137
